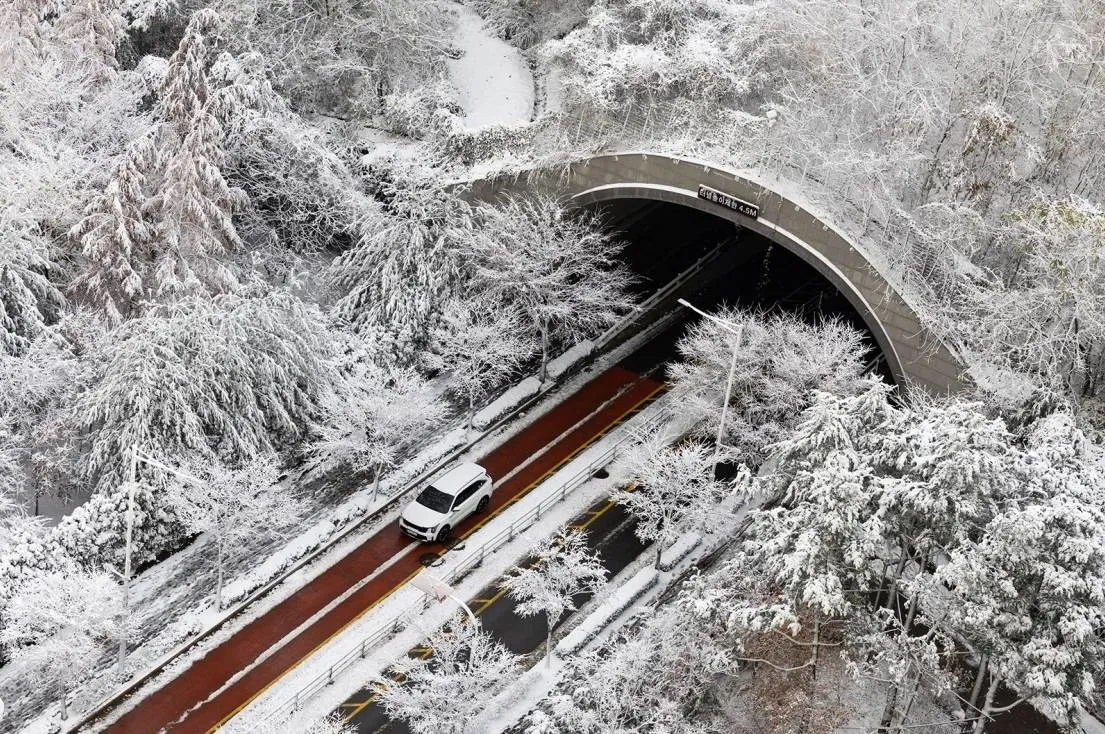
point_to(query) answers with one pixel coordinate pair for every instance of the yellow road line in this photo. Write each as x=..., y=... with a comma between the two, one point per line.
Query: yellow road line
x=624, y=416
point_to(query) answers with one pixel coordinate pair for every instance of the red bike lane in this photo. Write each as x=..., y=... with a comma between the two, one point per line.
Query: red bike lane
x=189, y=703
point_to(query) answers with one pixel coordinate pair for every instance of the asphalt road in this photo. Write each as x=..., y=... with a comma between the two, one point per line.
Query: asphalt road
x=609, y=531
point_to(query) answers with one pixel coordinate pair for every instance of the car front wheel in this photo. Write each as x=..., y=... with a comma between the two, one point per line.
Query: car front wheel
x=443, y=534
x=484, y=502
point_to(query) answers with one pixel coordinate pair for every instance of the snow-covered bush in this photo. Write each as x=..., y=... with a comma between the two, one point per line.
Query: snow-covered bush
x=488, y=142
x=423, y=113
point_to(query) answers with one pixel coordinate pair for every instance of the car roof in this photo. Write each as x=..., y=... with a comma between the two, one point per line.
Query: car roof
x=459, y=477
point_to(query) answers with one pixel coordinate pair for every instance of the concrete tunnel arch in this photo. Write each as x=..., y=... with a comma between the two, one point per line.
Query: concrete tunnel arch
x=914, y=355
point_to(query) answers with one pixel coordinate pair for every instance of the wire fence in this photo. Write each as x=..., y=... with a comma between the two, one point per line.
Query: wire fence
x=473, y=560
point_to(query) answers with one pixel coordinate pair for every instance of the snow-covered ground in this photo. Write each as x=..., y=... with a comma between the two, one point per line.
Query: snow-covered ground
x=493, y=80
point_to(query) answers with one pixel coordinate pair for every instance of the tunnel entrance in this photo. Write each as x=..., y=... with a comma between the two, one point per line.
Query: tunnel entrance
x=741, y=268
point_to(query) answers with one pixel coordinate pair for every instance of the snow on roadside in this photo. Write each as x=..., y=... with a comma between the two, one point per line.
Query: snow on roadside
x=611, y=607
x=493, y=81
x=406, y=600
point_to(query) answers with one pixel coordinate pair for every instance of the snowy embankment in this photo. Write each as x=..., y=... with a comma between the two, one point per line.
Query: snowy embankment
x=625, y=596
x=493, y=80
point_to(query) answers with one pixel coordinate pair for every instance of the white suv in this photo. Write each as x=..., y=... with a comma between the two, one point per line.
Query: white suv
x=442, y=505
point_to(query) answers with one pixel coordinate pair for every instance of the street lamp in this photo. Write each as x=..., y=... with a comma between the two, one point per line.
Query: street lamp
x=440, y=590
x=132, y=484
x=738, y=331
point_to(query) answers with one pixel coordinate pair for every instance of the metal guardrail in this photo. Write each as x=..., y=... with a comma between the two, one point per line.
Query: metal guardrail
x=471, y=561
x=656, y=298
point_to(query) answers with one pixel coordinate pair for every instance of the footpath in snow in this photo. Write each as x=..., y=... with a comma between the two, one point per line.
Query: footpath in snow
x=493, y=80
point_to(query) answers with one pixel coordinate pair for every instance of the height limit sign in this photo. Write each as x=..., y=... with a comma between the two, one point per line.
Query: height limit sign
x=728, y=201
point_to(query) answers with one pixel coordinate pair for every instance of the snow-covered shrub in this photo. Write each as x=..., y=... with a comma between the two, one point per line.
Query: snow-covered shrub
x=424, y=113
x=488, y=142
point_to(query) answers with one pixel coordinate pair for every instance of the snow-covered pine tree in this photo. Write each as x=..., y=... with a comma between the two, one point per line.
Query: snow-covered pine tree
x=185, y=90
x=1028, y=596
x=193, y=205
x=29, y=300
x=94, y=29
x=194, y=208
x=562, y=567
x=116, y=236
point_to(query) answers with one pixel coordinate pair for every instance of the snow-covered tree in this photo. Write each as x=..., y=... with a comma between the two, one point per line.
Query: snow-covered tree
x=186, y=91
x=395, y=280
x=1045, y=314
x=562, y=567
x=116, y=236
x=95, y=29
x=657, y=676
x=29, y=300
x=59, y=623
x=780, y=361
x=443, y=693
x=673, y=490
x=233, y=506
x=341, y=57
x=559, y=269
x=374, y=412
x=1028, y=596
x=479, y=346
x=229, y=378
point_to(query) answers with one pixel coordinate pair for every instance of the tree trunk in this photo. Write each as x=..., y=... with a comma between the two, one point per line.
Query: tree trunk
x=219, y=580
x=987, y=707
x=976, y=689
x=544, y=352
x=889, y=709
x=659, y=553
x=376, y=481
x=548, y=638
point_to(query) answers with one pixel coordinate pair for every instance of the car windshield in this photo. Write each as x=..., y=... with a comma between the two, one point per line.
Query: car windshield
x=435, y=499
